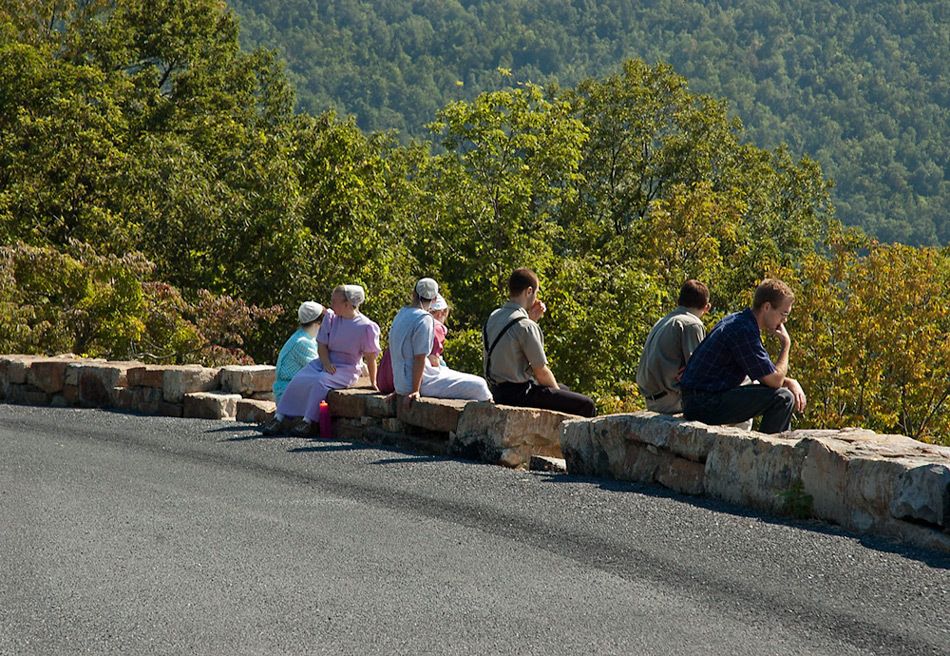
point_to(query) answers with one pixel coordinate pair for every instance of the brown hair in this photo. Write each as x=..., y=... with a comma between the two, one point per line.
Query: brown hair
x=693, y=294
x=520, y=280
x=771, y=291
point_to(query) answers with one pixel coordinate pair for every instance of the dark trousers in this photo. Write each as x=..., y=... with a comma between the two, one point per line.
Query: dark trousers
x=532, y=395
x=740, y=404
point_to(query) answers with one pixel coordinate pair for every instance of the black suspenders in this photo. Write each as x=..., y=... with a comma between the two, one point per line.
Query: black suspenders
x=490, y=349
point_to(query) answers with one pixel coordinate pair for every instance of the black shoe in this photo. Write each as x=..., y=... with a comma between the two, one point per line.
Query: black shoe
x=274, y=426
x=304, y=429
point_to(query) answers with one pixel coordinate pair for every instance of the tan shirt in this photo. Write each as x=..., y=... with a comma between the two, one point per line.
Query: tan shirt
x=669, y=346
x=520, y=349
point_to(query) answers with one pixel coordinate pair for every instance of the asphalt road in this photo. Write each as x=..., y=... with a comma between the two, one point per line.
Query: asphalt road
x=133, y=535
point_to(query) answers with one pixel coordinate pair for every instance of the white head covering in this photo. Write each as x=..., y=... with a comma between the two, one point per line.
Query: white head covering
x=354, y=294
x=309, y=311
x=439, y=303
x=427, y=289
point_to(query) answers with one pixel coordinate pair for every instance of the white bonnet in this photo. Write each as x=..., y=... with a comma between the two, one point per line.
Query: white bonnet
x=309, y=311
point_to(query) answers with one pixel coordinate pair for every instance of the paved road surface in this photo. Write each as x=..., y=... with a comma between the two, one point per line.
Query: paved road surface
x=134, y=535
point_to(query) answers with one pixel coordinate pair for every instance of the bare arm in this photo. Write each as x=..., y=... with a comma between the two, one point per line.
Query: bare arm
x=418, y=368
x=544, y=376
x=324, y=352
x=776, y=379
x=796, y=389
x=370, y=359
x=536, y=311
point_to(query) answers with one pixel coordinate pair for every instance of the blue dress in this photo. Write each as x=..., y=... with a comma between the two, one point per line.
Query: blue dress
x=297, y=352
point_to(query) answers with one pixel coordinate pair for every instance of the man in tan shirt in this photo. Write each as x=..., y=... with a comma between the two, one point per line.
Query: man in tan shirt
x=516, y=367
x=669, y=346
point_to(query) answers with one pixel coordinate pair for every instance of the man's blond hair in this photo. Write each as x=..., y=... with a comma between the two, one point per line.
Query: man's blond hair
x=772, y=291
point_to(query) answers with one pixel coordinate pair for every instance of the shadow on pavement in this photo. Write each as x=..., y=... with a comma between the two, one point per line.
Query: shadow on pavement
x=412, y=458
x=407, y=456
x=932, y=558
x=252, y=432
x=327, y=447
x=249, y=432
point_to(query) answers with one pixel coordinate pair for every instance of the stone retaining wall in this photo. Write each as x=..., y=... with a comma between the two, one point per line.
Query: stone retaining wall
x=167, y=390
x=885, y=484
x=479, y=431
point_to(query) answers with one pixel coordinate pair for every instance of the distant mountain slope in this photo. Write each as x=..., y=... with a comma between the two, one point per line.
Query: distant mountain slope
x=862, y=86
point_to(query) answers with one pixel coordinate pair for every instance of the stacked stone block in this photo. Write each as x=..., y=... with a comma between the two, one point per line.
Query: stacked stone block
x=250, y=381
x=210, y=405
x=364, y=414
x=886, y=484
x=174, y=391
x=254, y=411
x=474, y=430
x=507, y=435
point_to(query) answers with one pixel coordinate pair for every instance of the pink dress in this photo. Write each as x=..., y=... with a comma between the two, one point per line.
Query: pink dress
x=438, y=342
x=347, y=340
x=384, y=374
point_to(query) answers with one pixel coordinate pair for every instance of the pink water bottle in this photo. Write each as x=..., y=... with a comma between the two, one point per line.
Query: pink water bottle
x=326, y=425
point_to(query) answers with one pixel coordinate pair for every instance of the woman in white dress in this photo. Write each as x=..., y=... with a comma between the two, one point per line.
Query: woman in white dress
x=410, y=341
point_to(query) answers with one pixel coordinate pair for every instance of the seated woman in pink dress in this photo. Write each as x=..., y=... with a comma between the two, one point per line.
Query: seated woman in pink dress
x=345, y=338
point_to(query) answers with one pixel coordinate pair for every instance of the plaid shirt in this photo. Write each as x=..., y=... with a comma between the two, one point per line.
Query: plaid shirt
x=732, y=351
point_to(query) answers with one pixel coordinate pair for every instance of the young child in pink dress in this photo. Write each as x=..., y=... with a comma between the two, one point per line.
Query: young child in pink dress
x=440, y=312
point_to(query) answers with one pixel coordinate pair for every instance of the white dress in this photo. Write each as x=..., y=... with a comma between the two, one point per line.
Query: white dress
x=411, y=335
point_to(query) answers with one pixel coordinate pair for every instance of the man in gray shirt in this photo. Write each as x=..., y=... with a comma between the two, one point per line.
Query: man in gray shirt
x=669, y=346
x=516, y=366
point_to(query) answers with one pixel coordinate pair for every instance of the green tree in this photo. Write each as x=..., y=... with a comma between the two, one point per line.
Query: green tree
x=511, y=164
x=358, y=210
x=667, y=183
x=859, y=87
x=872, y=338
x=647, y=133
x=79, y=301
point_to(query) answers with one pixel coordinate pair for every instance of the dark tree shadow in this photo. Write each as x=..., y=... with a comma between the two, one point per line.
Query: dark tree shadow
x=251, y=432
x=878, y=543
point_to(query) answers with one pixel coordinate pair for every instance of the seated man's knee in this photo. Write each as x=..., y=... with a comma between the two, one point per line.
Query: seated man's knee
x=786, y=396
x=589, y=409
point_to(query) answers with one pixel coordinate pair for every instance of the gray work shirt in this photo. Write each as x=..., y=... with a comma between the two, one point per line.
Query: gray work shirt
x=669, y=346
x=520, y=349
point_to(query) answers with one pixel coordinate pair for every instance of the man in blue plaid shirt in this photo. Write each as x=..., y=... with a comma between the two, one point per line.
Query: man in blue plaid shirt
x=712, y=387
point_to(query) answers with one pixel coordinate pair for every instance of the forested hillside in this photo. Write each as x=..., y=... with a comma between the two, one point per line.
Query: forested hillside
x=862, y=86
